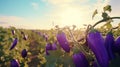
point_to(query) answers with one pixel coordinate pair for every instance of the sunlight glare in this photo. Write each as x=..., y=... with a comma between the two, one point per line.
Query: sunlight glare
x=71, y=16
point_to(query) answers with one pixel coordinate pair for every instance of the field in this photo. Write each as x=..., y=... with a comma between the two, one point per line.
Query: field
x=63, y=47
x=34, y=41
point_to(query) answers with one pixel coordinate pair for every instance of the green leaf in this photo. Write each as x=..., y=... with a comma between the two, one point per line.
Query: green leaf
x=107, y=8
x=51, y=61
x=53, y=57
x=67, y=60
x=95, y=12
x=104, y=15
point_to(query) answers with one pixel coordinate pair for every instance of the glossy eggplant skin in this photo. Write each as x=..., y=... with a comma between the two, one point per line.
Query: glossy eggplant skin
x=14, y=63
x=50, y=46
x=62, y=40
x=116, y=47
x=24, y=53
x=80, y=60
x=96, y=44
x=14, y=43
x=109, y=42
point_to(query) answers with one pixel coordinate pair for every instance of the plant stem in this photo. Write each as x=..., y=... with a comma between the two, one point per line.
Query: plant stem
x=88, y=28
x=105, y=20
x=78, y=45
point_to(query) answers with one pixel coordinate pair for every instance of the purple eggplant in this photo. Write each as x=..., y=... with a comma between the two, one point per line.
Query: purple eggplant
x=25, y=37
x=80, y=60
x=116, y=47
x=61, y=38
x=22, y=32
x=24, y=53
x=14, y=63
x=50, y=46
x=109, y=42
x=13, y=32
x=54, y=46
x=45, y=36
x=117, y=42
x=14, y=43
x=96, y=44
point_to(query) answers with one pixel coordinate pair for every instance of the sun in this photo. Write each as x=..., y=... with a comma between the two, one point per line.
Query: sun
x=71, y=16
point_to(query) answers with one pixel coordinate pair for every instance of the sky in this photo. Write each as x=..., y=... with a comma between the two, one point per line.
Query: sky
x=45, y=14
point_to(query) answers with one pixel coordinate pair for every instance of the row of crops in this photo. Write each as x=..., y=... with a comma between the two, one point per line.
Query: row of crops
x=62, y=47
